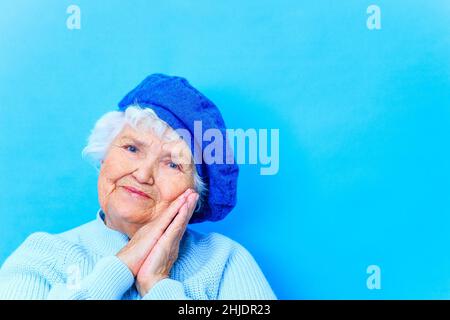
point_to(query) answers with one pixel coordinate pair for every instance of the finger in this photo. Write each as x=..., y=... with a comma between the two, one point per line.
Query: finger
x=168, y=215
x=178, y=225
x=175, y=206
x=192, y=203
x=176, y=229
x=185, y=216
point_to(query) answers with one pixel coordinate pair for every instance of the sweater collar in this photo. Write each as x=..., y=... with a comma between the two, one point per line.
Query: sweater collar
x=107, y=241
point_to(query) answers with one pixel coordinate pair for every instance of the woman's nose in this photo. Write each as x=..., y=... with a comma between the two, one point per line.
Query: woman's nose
x=145, y=173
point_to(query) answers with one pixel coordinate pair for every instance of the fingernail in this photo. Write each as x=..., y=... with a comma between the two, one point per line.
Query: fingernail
x=194, y=199
x=186, y=194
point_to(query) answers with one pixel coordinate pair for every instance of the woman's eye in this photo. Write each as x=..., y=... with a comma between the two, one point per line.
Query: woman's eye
x=173, y=165
x=132, y=148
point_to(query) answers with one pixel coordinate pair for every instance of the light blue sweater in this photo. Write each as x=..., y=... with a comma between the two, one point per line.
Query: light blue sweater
x=81, y=264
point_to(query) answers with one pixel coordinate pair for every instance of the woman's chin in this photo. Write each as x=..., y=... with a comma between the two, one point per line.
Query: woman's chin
x=131, y=214
x=127, y=209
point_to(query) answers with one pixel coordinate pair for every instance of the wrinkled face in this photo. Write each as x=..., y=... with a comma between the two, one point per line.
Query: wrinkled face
x=140, y=176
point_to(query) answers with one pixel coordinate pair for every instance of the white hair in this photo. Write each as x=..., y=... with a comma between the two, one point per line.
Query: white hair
x=111, y=123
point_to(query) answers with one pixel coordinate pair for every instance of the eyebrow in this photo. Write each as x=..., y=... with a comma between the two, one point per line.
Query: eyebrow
x=136, y=141
x=145, y=145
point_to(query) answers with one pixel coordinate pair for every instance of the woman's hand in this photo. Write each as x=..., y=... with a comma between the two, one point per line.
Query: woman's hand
x=143, y=241
x=159, y=262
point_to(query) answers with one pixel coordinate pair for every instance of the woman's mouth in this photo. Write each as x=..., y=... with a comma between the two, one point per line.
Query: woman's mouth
x=136, y=192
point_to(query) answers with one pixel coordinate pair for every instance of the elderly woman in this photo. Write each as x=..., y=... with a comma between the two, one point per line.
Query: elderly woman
x=152, y=183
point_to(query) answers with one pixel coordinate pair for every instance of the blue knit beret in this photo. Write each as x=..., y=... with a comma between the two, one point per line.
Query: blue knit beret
x=179, y=104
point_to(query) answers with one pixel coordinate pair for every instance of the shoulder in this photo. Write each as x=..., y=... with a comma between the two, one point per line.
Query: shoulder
x=46, y=252
x=42, y=244
x=75, y=236
x=67, y=242
x=210, y=240
x=214, y=244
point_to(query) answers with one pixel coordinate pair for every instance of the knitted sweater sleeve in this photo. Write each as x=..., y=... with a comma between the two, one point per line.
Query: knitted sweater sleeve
x=38, y=270
x=167, y=289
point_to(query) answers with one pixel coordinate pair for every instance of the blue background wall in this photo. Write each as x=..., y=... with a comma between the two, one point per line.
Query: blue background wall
x=364, y=119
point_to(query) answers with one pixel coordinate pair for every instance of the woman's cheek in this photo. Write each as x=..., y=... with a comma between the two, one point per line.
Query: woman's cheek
x=170, y=191
x=175, y=188
x=107, y=179
x=102, y=192
x=116, y=166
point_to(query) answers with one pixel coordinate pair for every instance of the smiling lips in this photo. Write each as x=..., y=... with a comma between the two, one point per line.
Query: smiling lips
x=136, y=191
